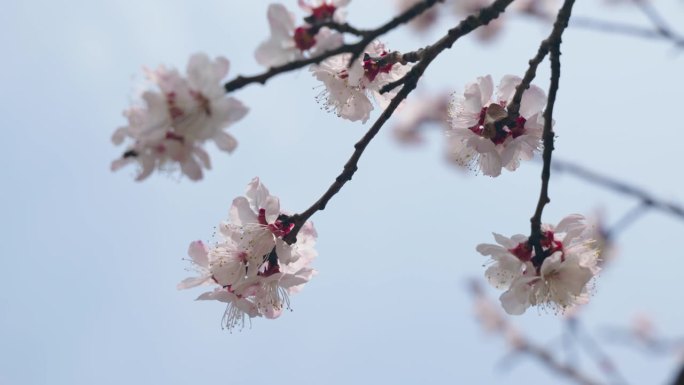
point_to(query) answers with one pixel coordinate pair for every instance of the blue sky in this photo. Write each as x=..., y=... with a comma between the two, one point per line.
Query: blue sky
x=91, y=258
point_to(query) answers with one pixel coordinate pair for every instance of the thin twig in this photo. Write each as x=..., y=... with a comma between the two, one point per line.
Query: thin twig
x=553, y=43
x=647, y=198
x=624, y=29
x=355, y=49
x=491, y=315
x=464, y=27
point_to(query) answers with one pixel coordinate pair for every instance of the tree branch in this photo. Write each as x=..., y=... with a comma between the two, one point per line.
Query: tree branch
x=355, y=49
x=411, y=79
x=620, y=187
x=552, y=44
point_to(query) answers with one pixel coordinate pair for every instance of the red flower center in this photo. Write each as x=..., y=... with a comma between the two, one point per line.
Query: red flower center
x=303, y=38
x=372, y=68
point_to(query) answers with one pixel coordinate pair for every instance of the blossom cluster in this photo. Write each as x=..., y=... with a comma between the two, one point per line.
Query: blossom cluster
x=170, y=128
x=481, y=136
x=350, y=89
x=252, y=268
x=559, y=278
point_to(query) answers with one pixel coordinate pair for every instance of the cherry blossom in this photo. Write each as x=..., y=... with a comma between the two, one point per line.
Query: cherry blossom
x=325, y=10
x=417, y=112
x=168, y=131
x=477, y=138
x=348, y=91
x=422, y=22
x=559, y=279
x=288, y=43
x=251, y=268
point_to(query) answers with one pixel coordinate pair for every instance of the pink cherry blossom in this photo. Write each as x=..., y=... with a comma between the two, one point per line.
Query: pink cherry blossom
x=474, y=141
x=348, y=91
x=251, y=268
x=168, y=131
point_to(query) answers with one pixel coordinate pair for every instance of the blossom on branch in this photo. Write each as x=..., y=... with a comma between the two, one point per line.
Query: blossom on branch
x=288, y=43
x=349, y=89
x=169, y=130
x=558, y=279
x=484, y=137
x=251, y=268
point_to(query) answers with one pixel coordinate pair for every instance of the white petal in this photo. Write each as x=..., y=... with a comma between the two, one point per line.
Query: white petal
x=225, y=141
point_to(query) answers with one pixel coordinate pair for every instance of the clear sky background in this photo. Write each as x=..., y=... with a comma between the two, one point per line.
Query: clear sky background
x=90, y=259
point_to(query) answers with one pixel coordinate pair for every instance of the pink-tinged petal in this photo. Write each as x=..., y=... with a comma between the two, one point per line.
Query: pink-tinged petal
x=326, y=40
x=291, y=280
x=489, y=249
x=272, y=207
x=486, y=89
x=256, y=193
x=147, y=166
x=570, y=222
x=504, y=241
x=191, y=282
x=119, y=135
x=506, y=88
x=501, y=274
x=271, y=312
x=281, y=21
x=192, y=169
x=202, y=156
x=510, y=156
x=198, y=69
x=221, y=67
x=119, y=163
x=533, y=101
x=199, y=253
x=472, y=99
x=241, y=212
x=225, y=141
x=216, y=295
x=517, y=299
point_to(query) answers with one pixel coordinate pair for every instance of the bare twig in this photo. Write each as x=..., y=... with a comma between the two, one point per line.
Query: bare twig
x=492, y=316
x=552, y=45
x=411, y=79
x=620, y=187
x=625, y=29
x=356, y=49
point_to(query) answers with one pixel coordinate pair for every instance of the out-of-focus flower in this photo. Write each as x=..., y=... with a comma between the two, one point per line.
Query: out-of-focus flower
x=559, y=279
x=417, y=112
x=348, y=91
x=169, y=131
x=288, y=43
x=480, y=138
x=422, y=22
x=251, y=268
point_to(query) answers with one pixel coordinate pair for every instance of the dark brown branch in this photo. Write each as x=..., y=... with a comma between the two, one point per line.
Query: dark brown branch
x=464, y=27
x=620, y=187
x=553, y=43
x=356, y=49
x=343, y=28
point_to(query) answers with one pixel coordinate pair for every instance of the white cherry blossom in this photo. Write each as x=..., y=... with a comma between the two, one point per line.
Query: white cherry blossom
x=169, y=130
x=476, y=139
x=558, y=280
x=289, y=42
x=348, y=91
x=253, y=268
